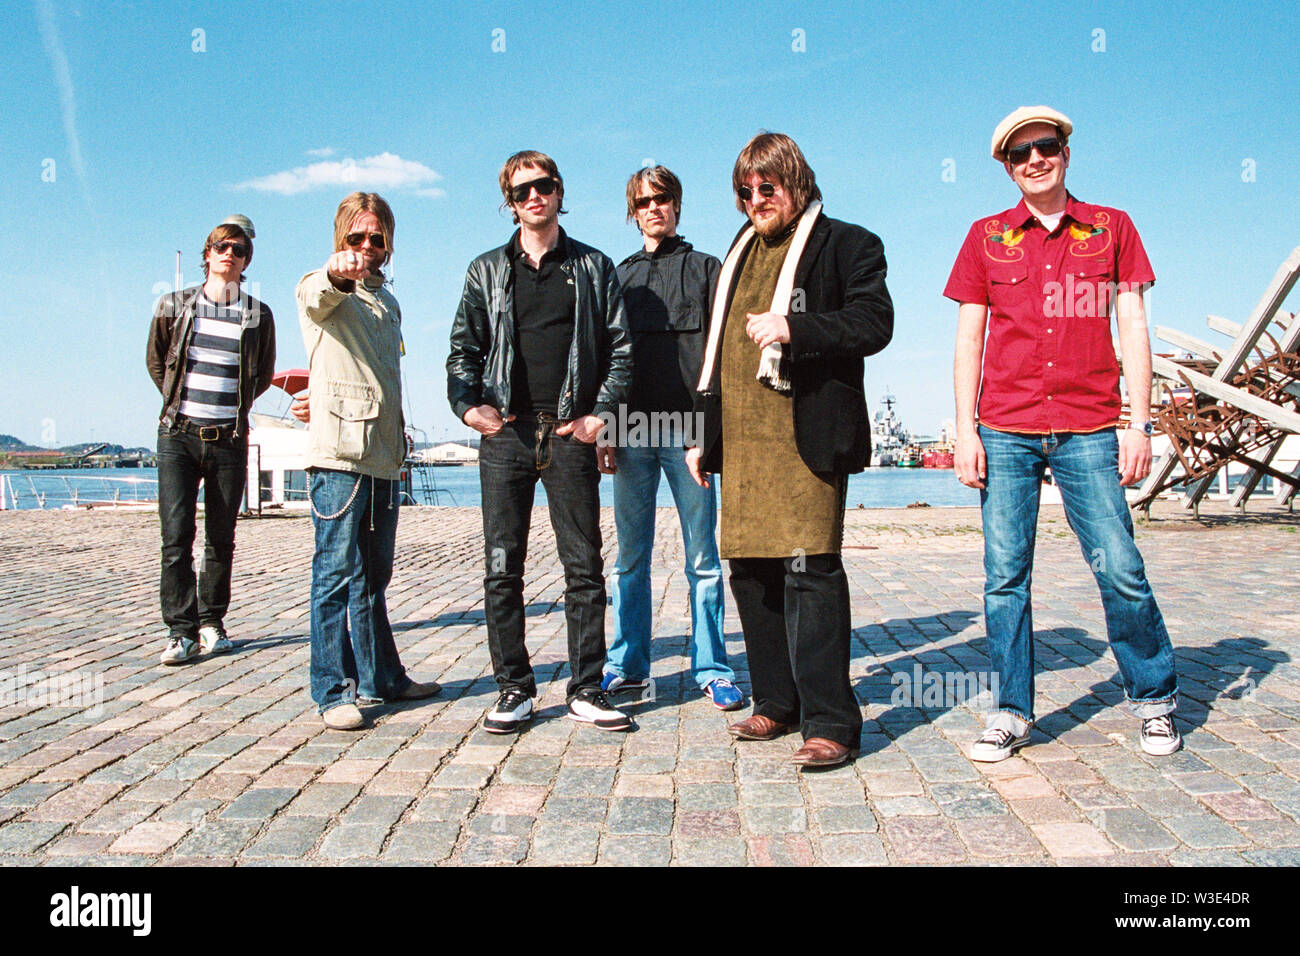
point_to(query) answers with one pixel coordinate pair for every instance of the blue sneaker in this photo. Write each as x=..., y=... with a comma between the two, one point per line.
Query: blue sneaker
x=724, y=694
x=612, y=682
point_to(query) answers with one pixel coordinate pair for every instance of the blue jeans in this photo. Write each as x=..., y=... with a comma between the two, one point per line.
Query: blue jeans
x=355, y=518
x=636, y=485
x=1085, y=467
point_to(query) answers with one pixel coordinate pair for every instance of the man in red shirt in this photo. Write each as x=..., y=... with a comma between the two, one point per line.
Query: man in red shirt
x=1041, y=279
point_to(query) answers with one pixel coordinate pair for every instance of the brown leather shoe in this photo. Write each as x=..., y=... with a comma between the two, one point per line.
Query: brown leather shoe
x=417, y=691
x=758, y=727
x=820, y=752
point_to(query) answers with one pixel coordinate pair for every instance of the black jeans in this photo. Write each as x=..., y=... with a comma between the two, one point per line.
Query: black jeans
x=510, y=463
x=184, y=460
x=795, y=615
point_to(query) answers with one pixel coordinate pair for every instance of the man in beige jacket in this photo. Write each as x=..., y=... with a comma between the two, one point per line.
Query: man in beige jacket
x=351, y=327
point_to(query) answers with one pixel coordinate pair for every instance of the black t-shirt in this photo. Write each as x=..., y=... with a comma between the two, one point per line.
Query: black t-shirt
x=544, y=305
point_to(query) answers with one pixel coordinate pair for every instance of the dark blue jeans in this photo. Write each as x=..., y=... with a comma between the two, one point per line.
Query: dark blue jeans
x=510, y=464
x=184, y=460
x=1085, y=467
x=355, y=519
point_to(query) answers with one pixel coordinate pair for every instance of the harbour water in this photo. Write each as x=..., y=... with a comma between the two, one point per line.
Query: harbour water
x=458, y=486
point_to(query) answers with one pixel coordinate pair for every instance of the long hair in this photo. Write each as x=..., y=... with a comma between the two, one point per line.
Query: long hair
x=528, y=157
x=776, y=157
x=356, y=203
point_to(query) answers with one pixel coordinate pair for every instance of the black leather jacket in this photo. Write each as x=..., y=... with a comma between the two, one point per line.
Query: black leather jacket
x=483, y=336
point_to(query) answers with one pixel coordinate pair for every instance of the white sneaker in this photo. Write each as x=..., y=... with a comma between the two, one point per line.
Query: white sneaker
x=1160, y=737
x=997, y=744
x=513, y=709
x=179, y=650
x=593, y=707
x=213, y=640
x=343, y=717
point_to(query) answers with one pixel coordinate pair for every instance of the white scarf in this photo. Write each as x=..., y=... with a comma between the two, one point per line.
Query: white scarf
x=774, y=363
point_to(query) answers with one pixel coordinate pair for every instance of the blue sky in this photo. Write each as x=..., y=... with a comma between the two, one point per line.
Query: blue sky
x=1184, y=116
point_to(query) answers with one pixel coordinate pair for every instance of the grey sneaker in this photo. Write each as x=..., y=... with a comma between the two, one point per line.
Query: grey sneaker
x=212, y=638
x=1160, y=737
x=179, y=650
x=997, y=744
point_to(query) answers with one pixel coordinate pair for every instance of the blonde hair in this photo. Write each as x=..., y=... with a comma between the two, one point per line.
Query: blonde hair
x=352, y=206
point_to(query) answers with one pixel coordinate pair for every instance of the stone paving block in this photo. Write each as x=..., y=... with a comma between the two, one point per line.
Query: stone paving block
x=149, y=838
x=352, y=842
x=78, y=844
x=463, y=777
x=832, y=820
x=1198, y=784
x=344, y=770
x=216, y=838
x=1023, y=787
x=28, y=837
x=1166, y=803
x=492, y=851
x=322, y=800
x=775, y=819
x=377, y=810
x=584, y=781
x=1096, y=797
x=258, y=804
x=858, y=849
x=529, y=770
x=288, y=837
x=118, y=816
x=709, y=851
x=1204, y=831
x=1239, y=806
x=562, y=844
x=1072, y=840
x=771, y=795
x=644, y=785
x=892, y=784
x=423, y=842
x=634, y=850
x=1133, y=830
x=922, y=840
x=707, y=823
x=1203, y=858
x=791, y=849
x=640, y=815
x=999, y=836
x=906, y=807
x=577, y=811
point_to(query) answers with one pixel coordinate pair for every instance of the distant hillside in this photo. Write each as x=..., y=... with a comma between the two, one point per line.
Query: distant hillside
x=9, y=443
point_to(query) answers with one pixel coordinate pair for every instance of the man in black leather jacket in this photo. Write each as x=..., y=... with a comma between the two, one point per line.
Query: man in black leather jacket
x=539, y=348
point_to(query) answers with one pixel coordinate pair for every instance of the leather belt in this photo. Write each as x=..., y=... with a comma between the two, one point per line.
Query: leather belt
x=206, y=432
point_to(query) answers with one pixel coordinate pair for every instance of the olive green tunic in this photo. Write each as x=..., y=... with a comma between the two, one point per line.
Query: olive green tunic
x=772, y=505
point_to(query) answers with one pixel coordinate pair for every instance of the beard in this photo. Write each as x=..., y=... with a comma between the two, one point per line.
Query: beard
x=772, y=226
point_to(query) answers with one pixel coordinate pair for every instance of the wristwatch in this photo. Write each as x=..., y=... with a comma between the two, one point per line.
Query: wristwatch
x=1146, y=428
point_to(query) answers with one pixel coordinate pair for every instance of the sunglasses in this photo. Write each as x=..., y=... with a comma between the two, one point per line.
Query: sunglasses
x=544, y=186
x=355, y=239
x=659, y=199
x=226, y=245
x=766, y=190
x=1047, y=148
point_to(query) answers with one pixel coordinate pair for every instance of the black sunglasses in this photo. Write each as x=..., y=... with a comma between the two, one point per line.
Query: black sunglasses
x=355, y=239
x=238, y=248
x=1047, y=147
x=766, y=190
x=544, y=186
x=661, y=199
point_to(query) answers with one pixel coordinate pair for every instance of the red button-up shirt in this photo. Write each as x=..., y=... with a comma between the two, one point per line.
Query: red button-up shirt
x=1049, y=363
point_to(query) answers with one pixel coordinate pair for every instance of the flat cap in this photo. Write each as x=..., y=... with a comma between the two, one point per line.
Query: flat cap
x=1023, y=116
x=243, y=222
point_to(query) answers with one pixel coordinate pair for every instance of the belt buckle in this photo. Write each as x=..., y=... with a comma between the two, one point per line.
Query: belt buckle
x=204, y=431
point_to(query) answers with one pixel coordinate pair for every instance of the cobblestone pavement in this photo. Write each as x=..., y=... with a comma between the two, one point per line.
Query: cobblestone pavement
x=226, y=761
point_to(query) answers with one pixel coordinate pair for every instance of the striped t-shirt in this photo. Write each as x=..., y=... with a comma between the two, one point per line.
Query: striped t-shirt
x=210, y=389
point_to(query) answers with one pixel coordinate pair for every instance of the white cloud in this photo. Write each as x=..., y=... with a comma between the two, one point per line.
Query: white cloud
x=62, y=79
x=321, y=153
x=385, y=171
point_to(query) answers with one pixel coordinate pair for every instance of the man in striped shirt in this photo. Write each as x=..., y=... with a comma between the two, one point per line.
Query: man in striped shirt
x=211, y=352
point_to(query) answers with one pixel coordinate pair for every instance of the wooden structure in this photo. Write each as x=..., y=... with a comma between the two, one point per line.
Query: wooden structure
x=1237, y=402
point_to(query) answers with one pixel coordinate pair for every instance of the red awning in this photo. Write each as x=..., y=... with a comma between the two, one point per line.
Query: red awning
x=292, y=380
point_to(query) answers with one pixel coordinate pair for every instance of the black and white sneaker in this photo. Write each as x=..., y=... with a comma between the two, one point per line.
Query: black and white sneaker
x=1160, y=737
x=591, y=706
x=513, y=709
x=997, y=744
